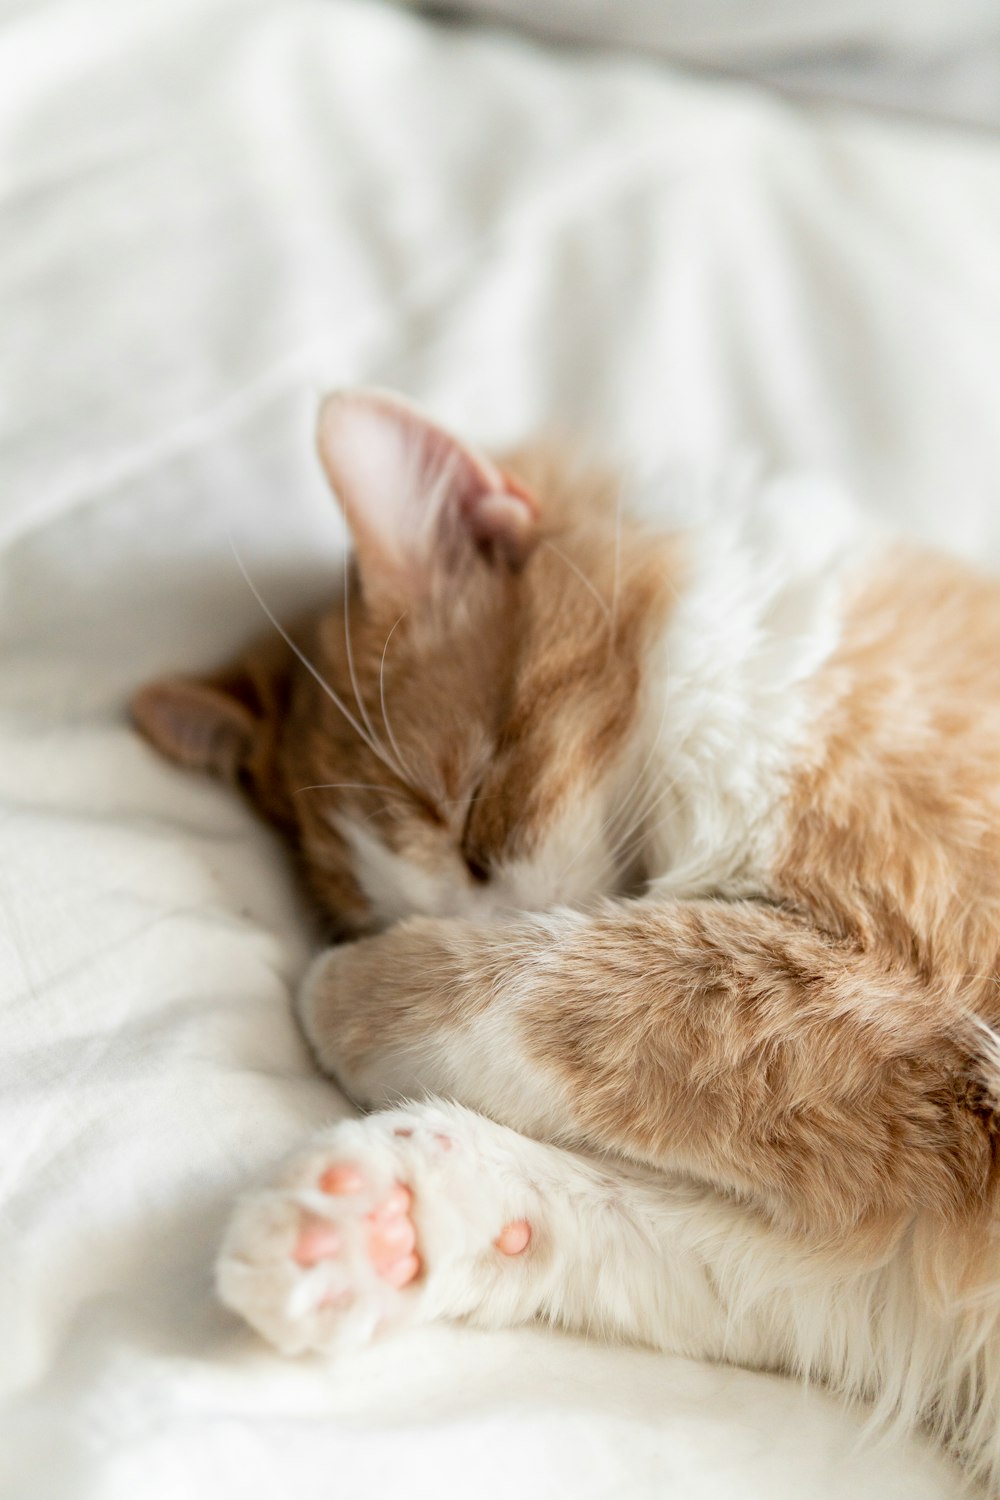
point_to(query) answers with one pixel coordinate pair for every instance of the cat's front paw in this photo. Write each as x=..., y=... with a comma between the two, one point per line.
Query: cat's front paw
x=372, y=1011
x=379, y=1224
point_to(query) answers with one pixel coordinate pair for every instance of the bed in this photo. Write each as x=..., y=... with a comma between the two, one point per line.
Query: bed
x=210, y=211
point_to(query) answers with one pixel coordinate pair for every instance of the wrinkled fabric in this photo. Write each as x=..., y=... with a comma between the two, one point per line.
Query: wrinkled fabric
x=929, y=58
x=210, y=211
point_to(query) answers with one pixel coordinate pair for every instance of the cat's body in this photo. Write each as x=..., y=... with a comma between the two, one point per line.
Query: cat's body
x=697, y=837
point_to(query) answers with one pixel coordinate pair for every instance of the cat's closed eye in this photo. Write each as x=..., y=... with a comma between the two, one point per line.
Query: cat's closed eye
x=477, y=869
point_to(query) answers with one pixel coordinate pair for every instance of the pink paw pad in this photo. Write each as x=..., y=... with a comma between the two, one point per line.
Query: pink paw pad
x=317, y=1241
x=514, y=1238
x=390, y=1236
x=341, y=1179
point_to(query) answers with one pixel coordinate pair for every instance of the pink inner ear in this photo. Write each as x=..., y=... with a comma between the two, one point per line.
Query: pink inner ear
x=411, y=492
x=195, y=723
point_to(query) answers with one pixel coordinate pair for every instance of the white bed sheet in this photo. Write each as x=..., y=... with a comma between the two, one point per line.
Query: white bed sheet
x=938, y=59
x=210, y=210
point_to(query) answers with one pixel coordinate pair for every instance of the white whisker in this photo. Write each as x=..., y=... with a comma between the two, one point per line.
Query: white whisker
x=601, y=603
x=642, y=805
x=363, y=711
x=617, y=575
x=347, y=786
x=385, y=712
x=627, y=807
x=331, y=694
x=626, y=850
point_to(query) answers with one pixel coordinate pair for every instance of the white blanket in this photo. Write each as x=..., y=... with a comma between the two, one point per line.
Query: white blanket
x=934, y=58
x=210, y=210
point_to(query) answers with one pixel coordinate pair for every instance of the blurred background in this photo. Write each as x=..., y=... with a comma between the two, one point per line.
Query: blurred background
x=681, y=232
x=927, y=57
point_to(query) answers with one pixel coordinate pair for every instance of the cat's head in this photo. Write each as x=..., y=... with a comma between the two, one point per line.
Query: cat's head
x=459, y=732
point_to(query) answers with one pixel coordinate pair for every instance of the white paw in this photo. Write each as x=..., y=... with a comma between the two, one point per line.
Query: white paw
x=379, y=1223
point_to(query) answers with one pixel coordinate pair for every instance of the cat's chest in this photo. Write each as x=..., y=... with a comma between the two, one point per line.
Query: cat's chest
x=730, y=705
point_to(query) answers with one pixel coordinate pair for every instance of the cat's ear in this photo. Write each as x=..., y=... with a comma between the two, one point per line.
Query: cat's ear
x=197, y=723
x=222, y=723
x=419, y=503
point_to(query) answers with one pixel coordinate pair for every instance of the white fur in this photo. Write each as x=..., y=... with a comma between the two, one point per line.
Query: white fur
x=759, y=612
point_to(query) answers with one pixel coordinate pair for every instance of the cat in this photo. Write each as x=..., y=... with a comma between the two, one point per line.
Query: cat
x=664, y=868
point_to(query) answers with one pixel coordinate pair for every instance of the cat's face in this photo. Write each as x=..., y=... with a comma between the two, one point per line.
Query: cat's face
x=460, y=732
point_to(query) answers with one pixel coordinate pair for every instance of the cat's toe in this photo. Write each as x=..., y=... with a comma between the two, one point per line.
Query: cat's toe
x=322, y=1263
x=317, y=1241
x=392, y=1237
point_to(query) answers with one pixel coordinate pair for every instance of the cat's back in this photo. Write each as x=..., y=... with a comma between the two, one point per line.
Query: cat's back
x=893, y=828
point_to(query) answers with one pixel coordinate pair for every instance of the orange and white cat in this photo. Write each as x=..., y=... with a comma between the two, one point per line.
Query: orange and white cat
x=672, y=862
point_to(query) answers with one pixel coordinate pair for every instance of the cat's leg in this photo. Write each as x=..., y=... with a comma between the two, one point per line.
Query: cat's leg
x=730, y=1040
x=432, y=1212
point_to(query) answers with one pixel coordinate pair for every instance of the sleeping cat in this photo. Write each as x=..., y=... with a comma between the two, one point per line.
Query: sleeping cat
x=672, y=863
